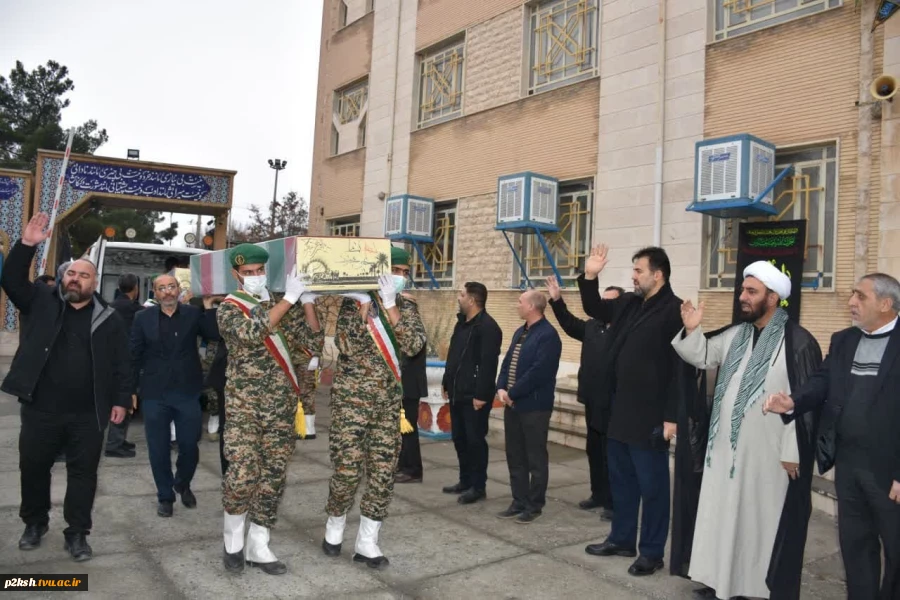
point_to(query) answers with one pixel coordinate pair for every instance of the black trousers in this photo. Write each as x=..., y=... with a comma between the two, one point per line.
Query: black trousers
x=410, y=460
x=116, y=434
x=597, y=460
x=527, y=458
x=41, y=437
x=469, y=428
x=868, y=520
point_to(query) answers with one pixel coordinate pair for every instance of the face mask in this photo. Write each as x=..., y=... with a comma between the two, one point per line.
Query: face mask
x=399, y=283
x=254, y=284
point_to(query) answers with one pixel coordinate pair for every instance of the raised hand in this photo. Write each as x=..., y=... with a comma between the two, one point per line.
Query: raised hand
x=779, y=404
x=553, y=288
x=387, y=289
x=691, y=316
x=36, y=231
x=596, y=262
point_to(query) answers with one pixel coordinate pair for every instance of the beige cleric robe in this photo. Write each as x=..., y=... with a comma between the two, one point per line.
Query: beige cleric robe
x=738, y=517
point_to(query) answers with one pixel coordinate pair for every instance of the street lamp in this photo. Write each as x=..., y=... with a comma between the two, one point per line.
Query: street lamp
x=278, y=165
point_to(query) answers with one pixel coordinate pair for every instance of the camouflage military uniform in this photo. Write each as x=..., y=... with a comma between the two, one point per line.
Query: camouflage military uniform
x=260, y=406
x=306, y=377
x=366, y=400
x=206, y=360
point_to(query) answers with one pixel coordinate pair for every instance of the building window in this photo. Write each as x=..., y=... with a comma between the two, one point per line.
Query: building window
x=571, y=245
x=563, y=43
x=345, y=227
x=350, y=11
x=441, y=84
x=348, y=122
x=810, y=194
x=734, y=17
x=439, y=254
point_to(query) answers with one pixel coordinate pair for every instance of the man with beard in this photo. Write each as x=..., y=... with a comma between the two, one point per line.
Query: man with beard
x=758, y=470
x=644, y=372
x=470, y=383
x=72, y=377
x=167, y=366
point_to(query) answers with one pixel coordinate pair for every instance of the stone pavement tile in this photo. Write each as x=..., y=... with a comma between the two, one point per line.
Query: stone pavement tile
x=123, y=575
x=428, y=493
x=615, y=571
x=560, y=524
x=572, y=494
x=560, y=476
x=530, y=576
x=195, y=568
x=303, y=470
x=304, y=505
x=10, y=421
x=422, y=546
x=109, y=536
x=320, y=444
x=829, y=569
x=321, y=457
x=822, y=539
x=124, y=481
x=148, y=529
x=10, y=489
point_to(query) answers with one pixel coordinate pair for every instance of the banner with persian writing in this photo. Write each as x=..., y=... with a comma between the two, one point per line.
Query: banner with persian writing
x=782, y=243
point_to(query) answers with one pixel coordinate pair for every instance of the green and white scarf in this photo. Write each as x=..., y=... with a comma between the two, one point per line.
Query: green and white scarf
x=752, y=380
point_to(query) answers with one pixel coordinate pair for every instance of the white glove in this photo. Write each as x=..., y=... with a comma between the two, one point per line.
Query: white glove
x=294, y=287
x=308, y=297
x=313, y=364
x=358, y=296
x=387, y=290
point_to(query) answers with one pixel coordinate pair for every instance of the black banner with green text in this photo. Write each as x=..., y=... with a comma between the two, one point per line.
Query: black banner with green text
x=782, y=243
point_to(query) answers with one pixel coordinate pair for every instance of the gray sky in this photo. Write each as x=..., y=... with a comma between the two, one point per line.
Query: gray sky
x=224, y=84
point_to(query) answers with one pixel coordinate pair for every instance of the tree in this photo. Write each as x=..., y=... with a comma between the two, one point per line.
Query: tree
x=31, y=105
x=291, y=219
x=87, y=229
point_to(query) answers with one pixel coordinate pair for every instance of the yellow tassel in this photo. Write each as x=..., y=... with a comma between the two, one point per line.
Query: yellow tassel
x=405, y=426
x=300, y=421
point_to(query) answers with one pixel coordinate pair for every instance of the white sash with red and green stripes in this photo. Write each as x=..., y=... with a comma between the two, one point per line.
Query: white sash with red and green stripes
x=275, y=343
x=383, y=334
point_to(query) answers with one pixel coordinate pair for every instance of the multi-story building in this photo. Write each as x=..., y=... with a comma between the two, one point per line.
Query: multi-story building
x=439, y=98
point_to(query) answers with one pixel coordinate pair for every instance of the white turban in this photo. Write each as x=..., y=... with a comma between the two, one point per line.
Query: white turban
x=771, y=277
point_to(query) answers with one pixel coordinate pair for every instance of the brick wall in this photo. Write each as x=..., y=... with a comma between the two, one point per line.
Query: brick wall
x=493, y=66
x=440, y=19
x=481, y=252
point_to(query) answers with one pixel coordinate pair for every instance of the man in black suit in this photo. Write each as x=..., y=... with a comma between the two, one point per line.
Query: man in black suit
x=859, y=386
x=167, y=366
x=415, y=387
x=126, y=304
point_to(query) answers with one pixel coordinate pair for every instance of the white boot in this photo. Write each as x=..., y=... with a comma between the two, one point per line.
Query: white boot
x=212, y=426
x=334, y=535
x=310, y=426
x=257, y=551
x=367, y=549
x=234, y=542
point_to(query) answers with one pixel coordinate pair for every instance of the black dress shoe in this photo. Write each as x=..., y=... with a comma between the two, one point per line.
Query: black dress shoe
x=331, y=549
x=234, y=563
x=589, y=504
x=164, y=509
x=607, y=514
x=471, y=496
x=309, y=437
x=120, y=453
x=270, y=568
x=31, y=539
x=510, y=513
x=528, y=517
x=406, y=478
x=705, y=593
x=187, y=497
x=128, y=445
x=456, y=488
x=645, y=566
x=609, y=549
x=76, y=545
x=379, y=562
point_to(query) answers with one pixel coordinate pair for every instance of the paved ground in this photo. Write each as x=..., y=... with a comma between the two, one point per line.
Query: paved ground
x=437, y=548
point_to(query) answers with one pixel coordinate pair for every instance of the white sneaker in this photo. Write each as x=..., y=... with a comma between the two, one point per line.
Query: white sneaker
x=367, y=549
x=212, y=426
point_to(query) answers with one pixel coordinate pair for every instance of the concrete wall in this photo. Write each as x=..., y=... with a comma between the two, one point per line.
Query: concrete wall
x=493, y=63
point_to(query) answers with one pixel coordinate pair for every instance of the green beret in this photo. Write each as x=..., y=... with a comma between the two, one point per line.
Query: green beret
x=399, y=256
x=248, y=254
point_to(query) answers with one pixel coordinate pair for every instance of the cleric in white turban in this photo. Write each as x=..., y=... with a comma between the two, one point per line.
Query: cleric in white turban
x=754, y=495
x=771, y=277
